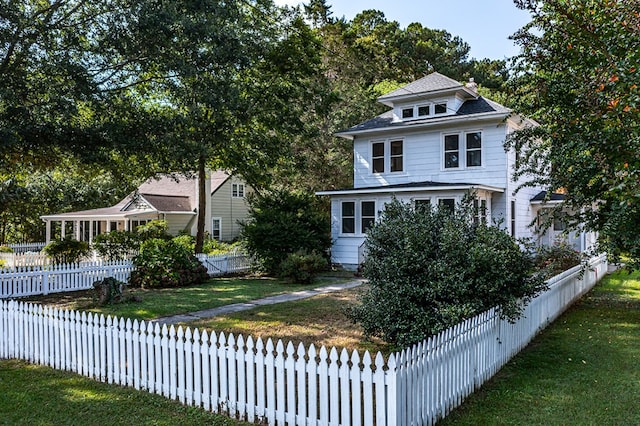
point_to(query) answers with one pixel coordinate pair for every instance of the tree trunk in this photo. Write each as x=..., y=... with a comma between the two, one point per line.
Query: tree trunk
x=202, y=204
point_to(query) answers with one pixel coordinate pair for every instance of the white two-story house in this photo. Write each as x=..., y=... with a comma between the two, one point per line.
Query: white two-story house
x=438, y=142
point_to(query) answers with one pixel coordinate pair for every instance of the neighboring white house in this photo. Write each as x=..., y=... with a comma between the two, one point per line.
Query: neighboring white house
x=173, y=198
x=439, y=141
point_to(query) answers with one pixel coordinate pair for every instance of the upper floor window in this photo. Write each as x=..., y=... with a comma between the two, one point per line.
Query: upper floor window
x=387, y=155
x=377, y=157
x=466, y=154
x=451, y=151
x=474, y=149
x=237, y=190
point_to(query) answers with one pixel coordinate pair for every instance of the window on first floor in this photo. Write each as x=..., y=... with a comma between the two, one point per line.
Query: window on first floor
x=480, y=211
x=447, y=204
x=216, y=228
x=422, y=204
x=368, y=215
x=348, y=217
x=560, y=222
x=237, y=190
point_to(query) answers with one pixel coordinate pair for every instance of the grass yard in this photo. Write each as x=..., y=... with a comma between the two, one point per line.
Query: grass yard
x=320, y=320
x=583, y=370
x=149, y=304
x=36, y=395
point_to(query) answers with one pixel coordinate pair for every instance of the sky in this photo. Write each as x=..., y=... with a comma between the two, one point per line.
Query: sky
x=484, y=25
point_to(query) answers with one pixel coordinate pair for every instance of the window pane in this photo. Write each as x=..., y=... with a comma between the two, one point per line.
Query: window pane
x=422, y=204
x=423, y=110
x=348, y=225
x=368, y=208
x=378, y=165
x=474, y=140
x=447, y=203
x=451, y=160
x=378, y=149
x=396, y=164
x=367, y=223
x=451, y=143
x=474, y=158
x=407, y=113
x=441, y=108
x=396, y=148
x=348, y=208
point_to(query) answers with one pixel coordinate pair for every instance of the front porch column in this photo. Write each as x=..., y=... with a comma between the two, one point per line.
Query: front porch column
x=47, y=238
x=92, y=223
x=77, y=229
x=63, y=229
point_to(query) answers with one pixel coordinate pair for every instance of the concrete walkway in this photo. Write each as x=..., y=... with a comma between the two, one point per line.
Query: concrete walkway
x=271, y=300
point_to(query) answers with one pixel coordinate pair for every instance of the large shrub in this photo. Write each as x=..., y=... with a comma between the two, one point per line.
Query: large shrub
x=282, y=223
x=153, y=229
x=67, y=250
x=429, y=269
x=554, y=259
x=301, y=267
x=6, y=249
x=166, y=263
x=116, y=245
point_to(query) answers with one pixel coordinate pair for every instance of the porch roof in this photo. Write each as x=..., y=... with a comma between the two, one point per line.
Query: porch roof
x=413, y=187
x=543, y=197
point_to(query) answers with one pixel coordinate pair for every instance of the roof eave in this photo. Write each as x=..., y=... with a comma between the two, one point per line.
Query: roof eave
x=431, y=123
x=383, y=189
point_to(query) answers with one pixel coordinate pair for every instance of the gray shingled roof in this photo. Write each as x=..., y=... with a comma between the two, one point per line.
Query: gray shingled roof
x=430, y=83
x=168, y=203
x=470, y=107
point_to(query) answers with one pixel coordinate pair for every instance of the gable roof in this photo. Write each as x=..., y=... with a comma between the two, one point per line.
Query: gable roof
x=480, y=108
x=433, y=82
x=168, y=203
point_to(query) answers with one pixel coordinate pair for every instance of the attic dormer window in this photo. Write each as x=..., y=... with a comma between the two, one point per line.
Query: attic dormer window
x=424, y=110
x=441, y=108
x=407, y=113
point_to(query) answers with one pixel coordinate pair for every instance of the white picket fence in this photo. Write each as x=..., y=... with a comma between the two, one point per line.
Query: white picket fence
x=286, y=385
x=35, y=280
x=22, y=281
x=26, y=247
x=221, y=264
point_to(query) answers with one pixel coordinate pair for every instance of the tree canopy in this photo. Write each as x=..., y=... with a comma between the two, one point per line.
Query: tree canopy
x=578, y=77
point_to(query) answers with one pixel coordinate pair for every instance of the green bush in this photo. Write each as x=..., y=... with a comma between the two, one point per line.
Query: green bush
x=186, y=241
x=302, y=268
x=116, y=245
x=166, y=263
x=430, y=269
x=552, y=260
x=282, y=223
x=153, y=229
x=67, y=250
x=6, y=249
x=212, y=246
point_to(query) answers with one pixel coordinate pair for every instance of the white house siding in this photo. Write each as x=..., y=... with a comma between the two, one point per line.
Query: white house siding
x=229, y=209
x=346, y=248
x=423, y=158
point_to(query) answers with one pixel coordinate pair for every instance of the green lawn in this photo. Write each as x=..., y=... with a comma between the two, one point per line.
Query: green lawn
x=36, y=395
x=583, y=370
x=320, y=320
x=149, y=304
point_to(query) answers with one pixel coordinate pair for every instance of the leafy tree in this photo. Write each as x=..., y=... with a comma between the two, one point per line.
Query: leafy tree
x=281, y=223
x=429, y=269
x=578, y=78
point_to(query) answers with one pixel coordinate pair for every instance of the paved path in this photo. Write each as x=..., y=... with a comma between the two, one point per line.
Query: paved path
x=271, y=300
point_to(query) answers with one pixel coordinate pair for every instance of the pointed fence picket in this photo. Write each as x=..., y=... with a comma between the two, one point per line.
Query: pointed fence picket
x=280, y=384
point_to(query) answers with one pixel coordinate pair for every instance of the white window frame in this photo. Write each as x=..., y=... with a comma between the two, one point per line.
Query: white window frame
x=237, y=190
x=462, y=150
x=377, y=157
x=354, y=217
x=361, y=215
x=387, y=156
x=214, y=220
x=430, y=106
x=439, y=103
